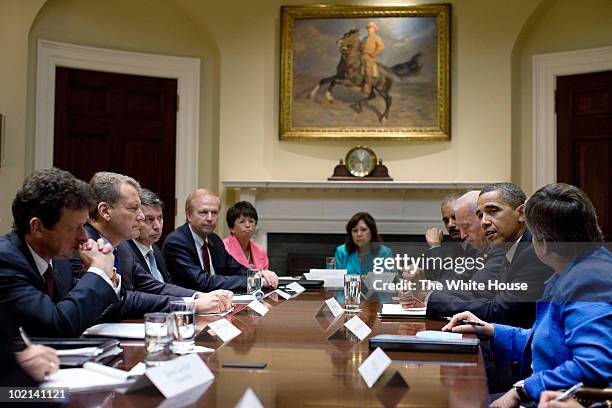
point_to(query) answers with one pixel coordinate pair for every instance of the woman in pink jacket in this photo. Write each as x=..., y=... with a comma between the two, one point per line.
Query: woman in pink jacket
x=242, y=222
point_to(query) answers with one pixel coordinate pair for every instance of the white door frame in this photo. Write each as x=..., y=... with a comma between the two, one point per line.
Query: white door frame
x=185, y=70
x=546, y=69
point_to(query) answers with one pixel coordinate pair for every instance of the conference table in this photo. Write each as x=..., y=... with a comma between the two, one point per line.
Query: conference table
x=312, y=362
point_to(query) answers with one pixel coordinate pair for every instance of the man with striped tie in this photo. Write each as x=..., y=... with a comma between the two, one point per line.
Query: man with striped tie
x=145, y=250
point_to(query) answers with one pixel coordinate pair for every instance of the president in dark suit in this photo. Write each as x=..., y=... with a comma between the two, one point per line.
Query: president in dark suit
x=500, y=208
x=49, y=212
x=116, y=218
x=146, y=253
x=196, y=255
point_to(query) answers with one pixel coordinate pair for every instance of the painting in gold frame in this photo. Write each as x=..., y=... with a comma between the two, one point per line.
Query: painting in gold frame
x=322, y=93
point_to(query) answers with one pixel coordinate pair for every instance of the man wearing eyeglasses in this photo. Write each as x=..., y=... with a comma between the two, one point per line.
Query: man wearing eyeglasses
x=146, y=252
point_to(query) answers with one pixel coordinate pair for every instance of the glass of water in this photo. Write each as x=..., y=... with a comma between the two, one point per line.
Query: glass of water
x=352, y=292
x=253, y=281
x=182, y=326
x=157, y=338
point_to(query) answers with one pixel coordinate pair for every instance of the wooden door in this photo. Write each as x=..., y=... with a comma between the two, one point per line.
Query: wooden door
x=120, y=123
x=584, y=139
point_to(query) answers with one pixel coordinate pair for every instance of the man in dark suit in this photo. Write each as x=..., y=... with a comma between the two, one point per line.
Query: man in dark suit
x=500, y=208
x=196, y=255
x=49, y=212
x=146, y=253
x=116, y=217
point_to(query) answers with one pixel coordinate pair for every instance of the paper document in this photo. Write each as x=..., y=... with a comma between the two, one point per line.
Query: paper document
x=332, y=278
x=395, y=309
x=118, y=330
x=83, y=351
x=92, y=376
x=438, y=335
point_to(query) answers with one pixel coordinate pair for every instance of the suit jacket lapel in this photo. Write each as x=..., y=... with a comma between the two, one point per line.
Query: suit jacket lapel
x=25, y=251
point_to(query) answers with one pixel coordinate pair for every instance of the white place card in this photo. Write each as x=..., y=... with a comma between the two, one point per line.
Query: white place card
x=249, y=400
x=373, y=366
x=283, y=294
x=224, y=329
x=180, y=375
x=296, y=287
x=334, y=307
x=258, y=307
x=358, y=328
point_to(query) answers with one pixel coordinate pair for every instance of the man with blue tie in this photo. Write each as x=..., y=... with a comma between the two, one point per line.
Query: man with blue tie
x=144, y=247
x=49, y=214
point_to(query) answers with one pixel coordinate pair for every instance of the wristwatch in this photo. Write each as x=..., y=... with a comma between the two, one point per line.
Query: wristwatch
x=519, y=386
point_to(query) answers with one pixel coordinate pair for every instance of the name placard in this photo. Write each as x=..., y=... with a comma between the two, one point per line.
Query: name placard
x=374, y=366
x=224, y=329
x=258, y=307
x=296, y=287
x=334, y=307
x=358, y=328
x=283, y=294
x=249, y=400
x=179, y=375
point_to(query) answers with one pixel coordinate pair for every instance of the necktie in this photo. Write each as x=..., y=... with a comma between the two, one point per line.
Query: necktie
x=50, y=282
x=206, y=257
x=153, y=266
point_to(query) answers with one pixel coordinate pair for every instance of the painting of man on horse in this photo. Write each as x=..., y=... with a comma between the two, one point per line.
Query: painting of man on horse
x=401, y=93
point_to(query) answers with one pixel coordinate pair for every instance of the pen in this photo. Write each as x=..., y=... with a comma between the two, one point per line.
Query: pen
x=569, y=392
x=470, y=322
x=24, y=337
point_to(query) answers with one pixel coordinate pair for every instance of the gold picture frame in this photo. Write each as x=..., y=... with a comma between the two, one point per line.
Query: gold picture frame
x=321, y=90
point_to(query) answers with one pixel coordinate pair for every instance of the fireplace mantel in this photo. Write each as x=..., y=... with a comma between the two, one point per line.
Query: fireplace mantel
x=399, y=207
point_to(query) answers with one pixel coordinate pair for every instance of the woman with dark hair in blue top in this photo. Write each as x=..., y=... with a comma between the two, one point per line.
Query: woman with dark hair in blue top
x=363, y=244
x=571, y=339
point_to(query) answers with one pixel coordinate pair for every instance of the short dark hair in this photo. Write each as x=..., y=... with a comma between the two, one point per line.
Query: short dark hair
x=107, y=188
x=369, y=221
x=449, y=198
x=560, y=214
x=512, y=194
x=150, y=199
x=239, y=209
x=44, y=194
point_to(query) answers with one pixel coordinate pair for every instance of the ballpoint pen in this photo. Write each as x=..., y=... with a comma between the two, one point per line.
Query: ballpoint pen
x=24, y=337
x=464, y=321
x=569, y=392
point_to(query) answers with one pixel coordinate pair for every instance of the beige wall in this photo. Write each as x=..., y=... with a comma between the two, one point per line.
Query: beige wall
x=483, y=35
x=16, y=17
x=557, y=25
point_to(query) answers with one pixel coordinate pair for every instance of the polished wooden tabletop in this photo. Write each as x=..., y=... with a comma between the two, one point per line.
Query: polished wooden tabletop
x=305, y=368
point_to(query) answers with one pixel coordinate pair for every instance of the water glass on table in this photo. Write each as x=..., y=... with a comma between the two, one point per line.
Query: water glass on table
x=254, y=283
x=182, y=323
x=157, y=338
x=352, y=292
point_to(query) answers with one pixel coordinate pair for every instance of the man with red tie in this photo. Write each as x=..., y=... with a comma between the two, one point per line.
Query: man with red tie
x=196, y=256
x=36, y=281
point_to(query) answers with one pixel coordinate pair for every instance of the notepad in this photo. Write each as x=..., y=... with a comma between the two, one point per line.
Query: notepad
x=396, y=310
x=118, y=330
x=438, y=335
x=92, y=376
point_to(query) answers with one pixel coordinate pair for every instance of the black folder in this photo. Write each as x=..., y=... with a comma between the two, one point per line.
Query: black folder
x=396, y=342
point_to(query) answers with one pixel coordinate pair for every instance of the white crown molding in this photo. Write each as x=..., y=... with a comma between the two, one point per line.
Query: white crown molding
x=546, y=69
x=186, y=70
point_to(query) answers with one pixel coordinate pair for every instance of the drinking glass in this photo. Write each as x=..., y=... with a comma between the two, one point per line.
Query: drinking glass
x=253, y=281
x=352, y=292
x=157, y=338
x=182, y=324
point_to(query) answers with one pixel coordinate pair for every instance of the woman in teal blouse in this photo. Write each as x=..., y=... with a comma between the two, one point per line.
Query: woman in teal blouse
x=363, y=244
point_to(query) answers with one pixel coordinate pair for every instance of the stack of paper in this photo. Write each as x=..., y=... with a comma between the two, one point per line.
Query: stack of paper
x=117, y=330
x=396, y=310
x=332, y=278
